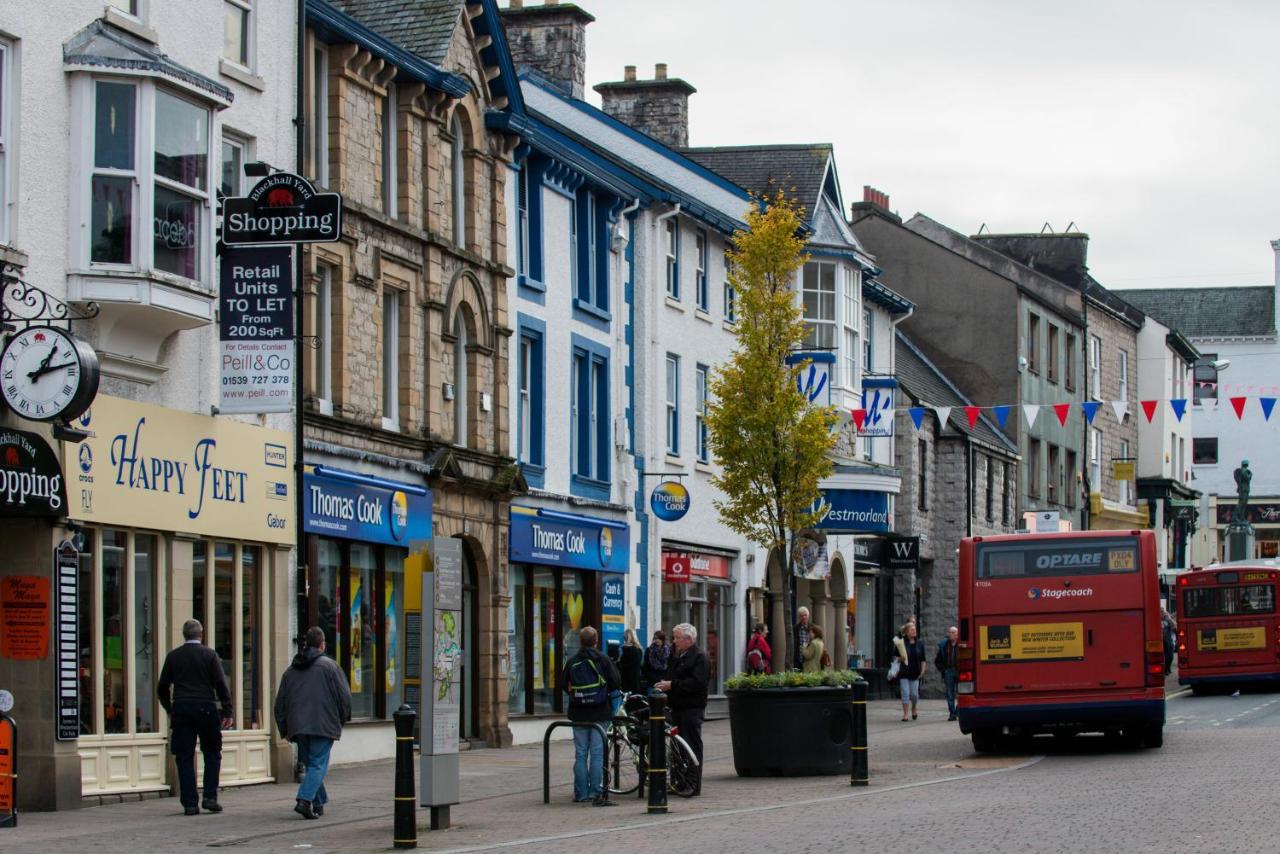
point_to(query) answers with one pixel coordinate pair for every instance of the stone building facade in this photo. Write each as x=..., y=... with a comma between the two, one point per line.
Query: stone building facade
x=406, y=386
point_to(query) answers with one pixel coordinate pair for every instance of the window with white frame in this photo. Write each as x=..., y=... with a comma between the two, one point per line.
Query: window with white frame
x=148, y=188
x=8, y=116
x=324, y=332
x=129, y=7
x=868, y=341
x=390, y=357
x=459, y=183
x=319, y=136
x=522, y=221
x=390, y=168
x=730, y=294
x=525, y=401
x=673, y=404
x=702, y=290
x=851, y=285
x=1204, y=378
x=818, y=293
x=851, y=353
x=673, y=258
x=1095, y=367
x=1095, y=460
x=234, y=154
x=700, y=412
x=237, y=32
x=461, y=377
x=1124, y=375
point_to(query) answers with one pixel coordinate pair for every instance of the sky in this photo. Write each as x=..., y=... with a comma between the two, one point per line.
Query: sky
x=1152, y=126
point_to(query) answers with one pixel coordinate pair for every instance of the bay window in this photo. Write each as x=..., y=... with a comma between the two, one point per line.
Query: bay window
x=819, y=297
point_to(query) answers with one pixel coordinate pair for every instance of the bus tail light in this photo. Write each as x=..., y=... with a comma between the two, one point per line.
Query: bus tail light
x=964, y=673
x=1155, y=669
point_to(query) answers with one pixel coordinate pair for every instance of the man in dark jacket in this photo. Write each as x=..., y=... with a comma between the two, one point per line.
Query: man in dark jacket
x=312, y=704
x=945, y=661
x=688, y=673
x=590, y=677
x=192, y=687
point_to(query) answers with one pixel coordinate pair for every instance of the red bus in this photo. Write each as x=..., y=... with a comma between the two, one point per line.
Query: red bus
x=1228, y=629
x=1060, y=633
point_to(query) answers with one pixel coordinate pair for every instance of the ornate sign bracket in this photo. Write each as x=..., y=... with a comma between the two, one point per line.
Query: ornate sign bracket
x=23, y=305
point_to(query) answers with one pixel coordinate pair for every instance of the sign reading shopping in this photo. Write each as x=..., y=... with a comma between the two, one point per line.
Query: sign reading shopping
x=669, y=500
x=31, y=482
x=852, y=511
x=282, y=208
x=543, y=536
x=355, y=507
x=255, y=307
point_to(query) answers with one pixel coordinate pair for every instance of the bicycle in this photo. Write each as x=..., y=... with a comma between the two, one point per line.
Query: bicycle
x=627, y=748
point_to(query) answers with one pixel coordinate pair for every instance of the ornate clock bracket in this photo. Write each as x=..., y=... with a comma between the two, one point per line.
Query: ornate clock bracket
x=23, y=305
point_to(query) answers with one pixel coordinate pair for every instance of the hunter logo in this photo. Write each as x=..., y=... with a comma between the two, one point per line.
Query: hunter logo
x=282, y=208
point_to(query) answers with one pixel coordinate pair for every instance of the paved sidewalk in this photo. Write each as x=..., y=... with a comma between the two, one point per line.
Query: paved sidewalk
x=502, y=799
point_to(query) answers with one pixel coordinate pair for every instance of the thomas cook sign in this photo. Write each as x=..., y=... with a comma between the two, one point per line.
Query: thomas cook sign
x=282, y=208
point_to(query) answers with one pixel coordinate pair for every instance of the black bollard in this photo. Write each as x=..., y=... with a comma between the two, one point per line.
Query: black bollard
x=405, y=834
x=859, y=773
x=657, y=752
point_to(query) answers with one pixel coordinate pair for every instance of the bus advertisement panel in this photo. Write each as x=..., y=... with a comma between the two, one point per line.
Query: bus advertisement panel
x=1060, y=633
x=1228, y=628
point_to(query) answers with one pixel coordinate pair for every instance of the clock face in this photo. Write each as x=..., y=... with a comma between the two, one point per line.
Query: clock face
x=45, y=373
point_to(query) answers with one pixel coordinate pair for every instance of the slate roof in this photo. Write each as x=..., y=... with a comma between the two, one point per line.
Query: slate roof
x=1209, y=312
x=765, y=169
x=930, y=387
x=101, y=45
x=423, y=27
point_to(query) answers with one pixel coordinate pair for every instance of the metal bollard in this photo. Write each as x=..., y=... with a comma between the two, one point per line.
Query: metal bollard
x=405, y=834
x=657, y=752
x=859, y=773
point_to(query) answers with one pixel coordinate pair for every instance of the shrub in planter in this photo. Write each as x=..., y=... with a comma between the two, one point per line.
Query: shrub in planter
x=792, y=723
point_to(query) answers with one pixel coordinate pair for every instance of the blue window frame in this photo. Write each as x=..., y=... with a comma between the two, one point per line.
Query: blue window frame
x=702, y=289
x=589, y=419
x=673, y=404
x=673, y=258
x=700, y=379
x=529, y=228
x=590, y=239
x=531, y=399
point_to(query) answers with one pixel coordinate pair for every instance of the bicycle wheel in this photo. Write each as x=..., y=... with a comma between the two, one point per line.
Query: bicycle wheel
x=622, y=762
x=682, y=767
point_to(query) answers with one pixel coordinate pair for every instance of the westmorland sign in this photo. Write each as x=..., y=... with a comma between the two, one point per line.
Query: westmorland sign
x=282, y=208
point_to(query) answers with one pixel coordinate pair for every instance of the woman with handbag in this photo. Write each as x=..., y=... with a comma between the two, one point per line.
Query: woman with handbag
x=814, y=652
x=912, y=666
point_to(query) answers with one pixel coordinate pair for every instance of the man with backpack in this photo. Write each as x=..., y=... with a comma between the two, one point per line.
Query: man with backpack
x=589, y=678
x=759, y=654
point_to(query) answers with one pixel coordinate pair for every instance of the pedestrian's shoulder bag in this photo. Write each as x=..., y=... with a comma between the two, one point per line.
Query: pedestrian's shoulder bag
x=894, y=669
x=825, y=661
x=587, y=686
x=755, y=660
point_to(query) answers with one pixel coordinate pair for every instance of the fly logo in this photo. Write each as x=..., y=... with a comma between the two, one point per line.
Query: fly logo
x=1036, y=593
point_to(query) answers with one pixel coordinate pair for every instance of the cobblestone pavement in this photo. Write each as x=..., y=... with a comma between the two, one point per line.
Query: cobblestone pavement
x=1209, y=789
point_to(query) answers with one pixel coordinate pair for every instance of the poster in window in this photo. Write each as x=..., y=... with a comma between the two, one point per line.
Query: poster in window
x=392, y=640
x=357, y=633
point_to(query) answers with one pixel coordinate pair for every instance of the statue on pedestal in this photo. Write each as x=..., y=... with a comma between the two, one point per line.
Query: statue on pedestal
x=1243, y=478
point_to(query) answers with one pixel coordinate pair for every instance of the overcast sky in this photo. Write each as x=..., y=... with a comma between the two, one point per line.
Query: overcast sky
x=1153, y=126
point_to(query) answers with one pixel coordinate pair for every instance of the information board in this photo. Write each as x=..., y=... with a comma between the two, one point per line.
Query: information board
x=24, y=617
x=255, y=307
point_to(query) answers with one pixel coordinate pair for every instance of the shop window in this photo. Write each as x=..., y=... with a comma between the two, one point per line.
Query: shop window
x=548, y=608
x=227, y=590
x=518, y=683
x=357, y=597
x=707, y=606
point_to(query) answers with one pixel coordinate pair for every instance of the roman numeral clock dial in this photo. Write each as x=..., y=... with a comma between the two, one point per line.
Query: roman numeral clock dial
x=46, y=373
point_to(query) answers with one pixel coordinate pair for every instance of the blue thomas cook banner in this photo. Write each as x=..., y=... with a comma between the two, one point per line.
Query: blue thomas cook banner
x=549, y=537
x=368, y=509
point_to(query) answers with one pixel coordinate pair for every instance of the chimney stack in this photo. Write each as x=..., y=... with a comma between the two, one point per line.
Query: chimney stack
x=551, y=39
x=874, y=202
x=657, y=107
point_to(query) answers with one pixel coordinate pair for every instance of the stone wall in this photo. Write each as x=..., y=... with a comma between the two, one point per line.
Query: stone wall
x=552, y=39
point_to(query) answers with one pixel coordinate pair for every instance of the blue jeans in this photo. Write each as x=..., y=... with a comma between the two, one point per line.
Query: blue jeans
x=588, y=762
x=313, y=752
x=949, y=677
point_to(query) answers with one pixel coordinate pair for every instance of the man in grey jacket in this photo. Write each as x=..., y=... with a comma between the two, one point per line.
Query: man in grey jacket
x=313, y=703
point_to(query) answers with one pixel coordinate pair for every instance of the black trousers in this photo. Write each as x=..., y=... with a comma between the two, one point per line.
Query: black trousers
x=690, y=723
x=192, y=719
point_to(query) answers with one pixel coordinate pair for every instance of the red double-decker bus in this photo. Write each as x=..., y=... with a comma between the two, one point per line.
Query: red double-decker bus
x=1228, y=628
x=1060, y=633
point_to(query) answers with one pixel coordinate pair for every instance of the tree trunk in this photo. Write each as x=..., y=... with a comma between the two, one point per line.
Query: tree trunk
x=789, y=599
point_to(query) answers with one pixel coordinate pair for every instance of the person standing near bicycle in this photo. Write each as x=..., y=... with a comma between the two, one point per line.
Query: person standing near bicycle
x=589, y=678
x=688, y=673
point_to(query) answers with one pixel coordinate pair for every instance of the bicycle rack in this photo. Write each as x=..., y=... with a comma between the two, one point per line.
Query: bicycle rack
x=546, y=755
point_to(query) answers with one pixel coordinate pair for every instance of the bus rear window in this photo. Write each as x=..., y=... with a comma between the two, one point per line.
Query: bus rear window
x=1230, y=601
x=1059, y=558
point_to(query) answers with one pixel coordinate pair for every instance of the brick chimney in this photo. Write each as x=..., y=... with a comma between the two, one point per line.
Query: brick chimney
x=551, y=39
x=873, y=202
x=657, y=107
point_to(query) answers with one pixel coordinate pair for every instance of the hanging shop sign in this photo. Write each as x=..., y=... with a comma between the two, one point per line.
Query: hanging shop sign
x=24, y=617
x=613, y=609
x=813, y=375
x=809, y=558
x=902, y=553
x=669, y=500
x=675, y=568
x=282, y=208
x=66, y=575
x=255, y=326
x=371, y=510
x=149, y=467
x=877, y=407
x=852, y=511
x=1123, y=469
x=31, y=481
x=1256, y=514
x=539, y=535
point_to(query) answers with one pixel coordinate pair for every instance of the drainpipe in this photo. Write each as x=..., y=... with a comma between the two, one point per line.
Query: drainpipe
x=659, y=221
x=968, y=486
x=622, y=242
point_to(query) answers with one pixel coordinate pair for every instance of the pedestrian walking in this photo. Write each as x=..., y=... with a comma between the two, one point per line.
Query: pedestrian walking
x=1169, y=635
x=689, y=672
x=945, y=661
x=590, y=678
x=312, y=704
x=803, y=635
x=759, y=653
x=814, y=652
x=654, y=668
x=630, y=663
x=911, y=667
x=193, y=691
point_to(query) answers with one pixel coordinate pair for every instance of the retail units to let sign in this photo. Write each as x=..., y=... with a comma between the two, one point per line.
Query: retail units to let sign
x=255, y=326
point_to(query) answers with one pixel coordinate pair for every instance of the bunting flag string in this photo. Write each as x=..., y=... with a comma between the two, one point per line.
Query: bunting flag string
x=1090, y=409
x=1237, y=403
x=1149, y=409
x=1121, y=409
x=1062, y=410
x=1031, y=410
x=972, y=413
x=1268, y=404
x=943, y=412
x=1002, y=414
x=917, y=415
x=1179, y=406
